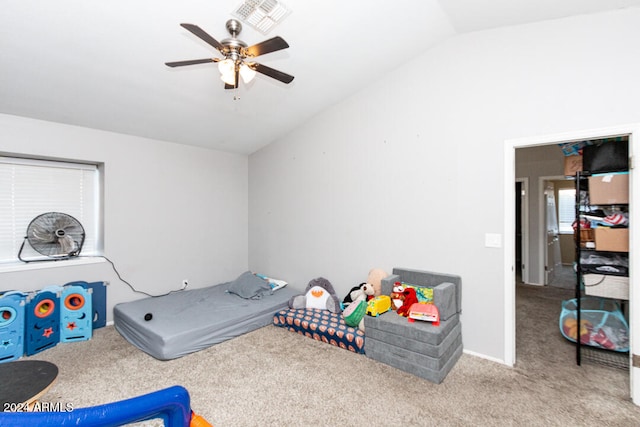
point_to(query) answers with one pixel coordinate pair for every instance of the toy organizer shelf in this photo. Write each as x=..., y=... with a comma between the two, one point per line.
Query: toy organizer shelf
x=32, y=322
x=601, y=267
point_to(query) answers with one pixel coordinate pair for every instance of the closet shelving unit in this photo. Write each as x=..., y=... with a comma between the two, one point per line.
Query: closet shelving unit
x=582, y=209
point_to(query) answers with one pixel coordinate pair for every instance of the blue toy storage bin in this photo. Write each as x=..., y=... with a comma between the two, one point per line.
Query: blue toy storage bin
x=12, y=319
x=76, y=314
x=602, y=323
x=42, y=324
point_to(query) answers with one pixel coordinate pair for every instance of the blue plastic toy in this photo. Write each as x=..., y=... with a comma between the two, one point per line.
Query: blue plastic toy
x=76, y=314
x=172, y=405
x=11, y=326
x=98, y=301
x=42, y=326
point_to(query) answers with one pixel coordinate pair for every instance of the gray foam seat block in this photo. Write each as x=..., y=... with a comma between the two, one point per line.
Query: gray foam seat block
x=414, y=345
x=445, y=294
x=433, y=375
x=392, y=354
x=392, y=325
x=419, y=348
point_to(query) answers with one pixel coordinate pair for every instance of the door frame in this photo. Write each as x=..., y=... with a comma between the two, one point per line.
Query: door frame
x=542, y=215
x=524, y=224
x=510, y=146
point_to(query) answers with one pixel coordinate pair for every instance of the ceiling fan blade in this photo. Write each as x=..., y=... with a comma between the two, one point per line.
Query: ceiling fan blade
x=267, y=46
x=204, y=36
x=273, y=73
x=190, y=62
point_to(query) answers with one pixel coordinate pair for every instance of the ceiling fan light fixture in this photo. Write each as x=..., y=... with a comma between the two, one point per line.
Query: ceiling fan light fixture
x=228, y=79
x=226, y=66
x=247, y=73
x=227, y=70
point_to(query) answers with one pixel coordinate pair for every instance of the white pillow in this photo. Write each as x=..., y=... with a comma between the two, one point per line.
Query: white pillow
x=274, y=283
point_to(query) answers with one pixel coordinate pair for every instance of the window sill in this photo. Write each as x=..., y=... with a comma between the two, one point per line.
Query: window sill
x=37, y=265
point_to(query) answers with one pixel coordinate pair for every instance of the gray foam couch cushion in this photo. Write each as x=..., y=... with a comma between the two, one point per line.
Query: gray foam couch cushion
x=418, y=336
x=431, y=369
x=420, y=348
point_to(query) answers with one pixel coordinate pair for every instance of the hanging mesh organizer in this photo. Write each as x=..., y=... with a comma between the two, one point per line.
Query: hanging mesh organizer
x=602, y=323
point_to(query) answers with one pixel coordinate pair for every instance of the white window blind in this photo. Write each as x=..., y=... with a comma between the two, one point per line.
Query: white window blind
x=566, y=210
x=29, y=188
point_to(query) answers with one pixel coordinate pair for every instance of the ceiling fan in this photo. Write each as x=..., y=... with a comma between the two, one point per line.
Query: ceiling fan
x=238, y=58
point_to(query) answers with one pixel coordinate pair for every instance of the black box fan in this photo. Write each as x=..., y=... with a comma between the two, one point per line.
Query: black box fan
x=55, y=235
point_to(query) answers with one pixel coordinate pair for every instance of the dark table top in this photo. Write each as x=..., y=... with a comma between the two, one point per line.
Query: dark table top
x=23, y=381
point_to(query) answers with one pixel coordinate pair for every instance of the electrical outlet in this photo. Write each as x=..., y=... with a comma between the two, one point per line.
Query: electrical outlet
x=185, y=283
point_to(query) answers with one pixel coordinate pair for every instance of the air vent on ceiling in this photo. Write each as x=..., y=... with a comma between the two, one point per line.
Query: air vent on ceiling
x=262, y=15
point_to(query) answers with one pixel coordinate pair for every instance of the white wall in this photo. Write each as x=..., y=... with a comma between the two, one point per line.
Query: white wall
x=171, y=212
x=409, y=172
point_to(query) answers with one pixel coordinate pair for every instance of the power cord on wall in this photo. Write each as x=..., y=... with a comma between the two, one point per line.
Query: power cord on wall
x=127, y=283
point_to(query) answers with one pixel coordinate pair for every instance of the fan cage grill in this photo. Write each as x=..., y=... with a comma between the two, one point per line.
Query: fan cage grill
x=55, y=235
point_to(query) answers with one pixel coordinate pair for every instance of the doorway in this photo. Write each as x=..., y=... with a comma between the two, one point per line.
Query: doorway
x=633, y=131
x=563, y=243
x=552, y=257
x=556, y=236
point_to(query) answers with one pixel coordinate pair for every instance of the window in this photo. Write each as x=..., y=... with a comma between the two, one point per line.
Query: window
x=29, y=188
x=566, y=210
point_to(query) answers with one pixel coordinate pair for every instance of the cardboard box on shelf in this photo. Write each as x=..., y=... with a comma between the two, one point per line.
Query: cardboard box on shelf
x=612, y=239
x=572, y=164
x=587, y=237
x=609, y=189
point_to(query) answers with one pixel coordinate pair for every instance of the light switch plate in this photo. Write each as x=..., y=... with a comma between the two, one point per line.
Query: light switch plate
x=493, y=240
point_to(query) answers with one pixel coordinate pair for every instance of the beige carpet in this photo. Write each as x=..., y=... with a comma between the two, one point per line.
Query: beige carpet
x=272, y=377
x=564, y=277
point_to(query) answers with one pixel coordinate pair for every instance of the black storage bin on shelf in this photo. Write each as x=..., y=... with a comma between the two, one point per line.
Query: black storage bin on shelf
x=610, y=156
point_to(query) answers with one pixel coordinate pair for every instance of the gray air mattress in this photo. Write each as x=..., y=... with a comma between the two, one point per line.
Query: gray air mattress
x=189, y=321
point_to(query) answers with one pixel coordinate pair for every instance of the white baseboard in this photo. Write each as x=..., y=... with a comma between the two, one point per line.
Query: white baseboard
x=484, y=356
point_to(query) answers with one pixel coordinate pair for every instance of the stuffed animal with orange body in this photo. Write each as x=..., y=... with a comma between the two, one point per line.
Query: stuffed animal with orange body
x=410, y=298
x=397, y=297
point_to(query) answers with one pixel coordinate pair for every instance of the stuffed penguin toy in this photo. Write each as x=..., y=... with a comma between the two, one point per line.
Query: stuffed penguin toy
x=318, y=294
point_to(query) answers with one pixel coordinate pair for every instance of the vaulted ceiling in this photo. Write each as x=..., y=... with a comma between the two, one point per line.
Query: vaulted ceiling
x=100, y=64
